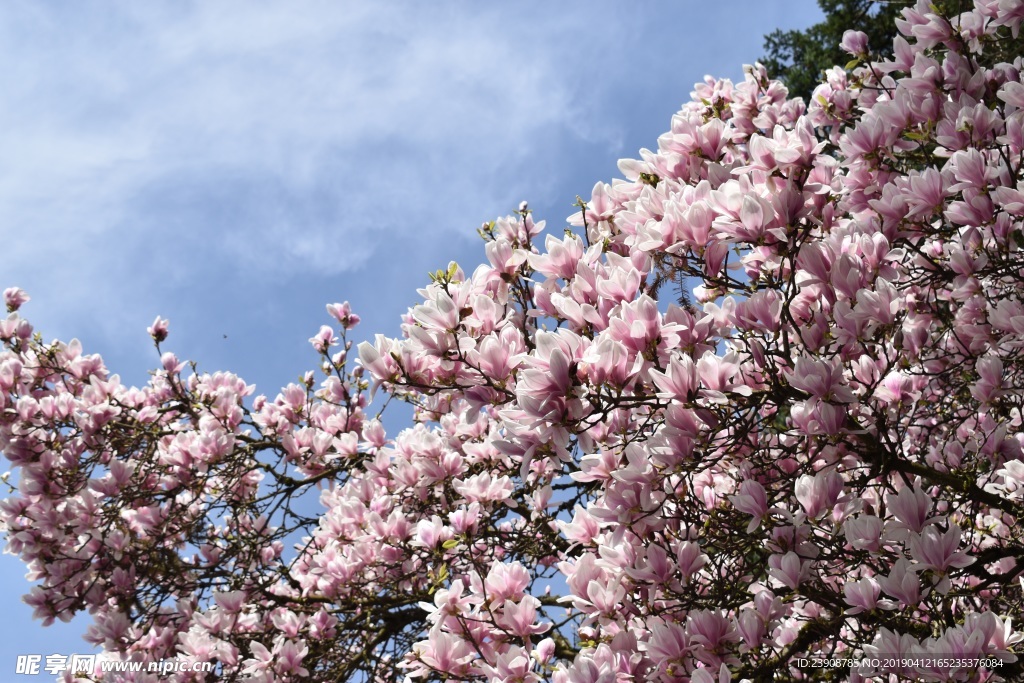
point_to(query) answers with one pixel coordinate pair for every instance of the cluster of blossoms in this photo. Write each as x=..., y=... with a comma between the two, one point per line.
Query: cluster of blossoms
x=762, y=405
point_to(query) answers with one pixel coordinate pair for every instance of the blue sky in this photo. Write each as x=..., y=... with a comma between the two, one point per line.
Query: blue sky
x=235, y=166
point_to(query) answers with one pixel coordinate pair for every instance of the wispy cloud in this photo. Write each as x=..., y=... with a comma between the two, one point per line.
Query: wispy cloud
x=154, y=148
x=261, y=134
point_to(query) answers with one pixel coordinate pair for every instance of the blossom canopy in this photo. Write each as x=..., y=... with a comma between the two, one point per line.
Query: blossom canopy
x=759, y=405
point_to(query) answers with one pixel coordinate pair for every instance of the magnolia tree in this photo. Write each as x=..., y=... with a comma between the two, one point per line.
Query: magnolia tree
x=756, y=416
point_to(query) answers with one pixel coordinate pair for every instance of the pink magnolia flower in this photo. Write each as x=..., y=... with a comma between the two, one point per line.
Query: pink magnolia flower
x=513, y=665
x=863, y=596
x=14, y=298
x=261, y=661
x=896, y=647
x=938, y=552
x=704, y=675
x=343, y=314
x=678, y=380
x=789, y=569
x=668, y=645
x=544, y=651
x=158, y=330
x=821, y=379
x=752, y=628
x=864, y=532
x=690, y=560
x=519, y=618
x=443, y=653
x=605, y=599
x=323, y=339
x=288, y=659
x=855, y=43
x=710, y=631
x=902, y=583
x=505, y=582
x=911, y=507
x=752, y=500
x=990, y=379
x=818, y=493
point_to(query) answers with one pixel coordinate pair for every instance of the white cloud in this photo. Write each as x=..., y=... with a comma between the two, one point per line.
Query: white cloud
x=146, y=145
x=150, y=146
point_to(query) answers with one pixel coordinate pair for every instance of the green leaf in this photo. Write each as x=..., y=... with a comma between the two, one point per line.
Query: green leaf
x=450, y=543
